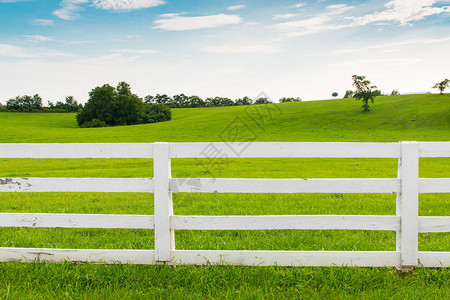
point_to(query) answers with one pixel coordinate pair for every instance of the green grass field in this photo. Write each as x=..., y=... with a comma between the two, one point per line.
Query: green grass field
x=394, y=118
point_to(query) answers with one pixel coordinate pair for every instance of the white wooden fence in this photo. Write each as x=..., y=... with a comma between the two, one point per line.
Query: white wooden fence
x=407, y=223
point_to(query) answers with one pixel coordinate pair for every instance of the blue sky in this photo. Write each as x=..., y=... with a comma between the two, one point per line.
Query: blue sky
x=306, y=49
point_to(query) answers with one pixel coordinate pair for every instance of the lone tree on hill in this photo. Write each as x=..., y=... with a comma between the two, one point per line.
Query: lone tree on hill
x=364, y=91
x=349, y=94
x=442, y=85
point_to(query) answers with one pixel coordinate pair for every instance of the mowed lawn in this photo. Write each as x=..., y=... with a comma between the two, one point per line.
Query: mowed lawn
x=394, y=118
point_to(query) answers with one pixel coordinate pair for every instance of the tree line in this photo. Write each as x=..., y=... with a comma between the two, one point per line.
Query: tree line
x=184, y=101
x=34, y=103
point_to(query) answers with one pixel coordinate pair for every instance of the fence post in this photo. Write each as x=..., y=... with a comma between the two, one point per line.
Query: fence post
x=164, y=237
x=407, y=205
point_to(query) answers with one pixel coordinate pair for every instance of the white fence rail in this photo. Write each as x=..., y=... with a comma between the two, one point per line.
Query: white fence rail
x=406, y=223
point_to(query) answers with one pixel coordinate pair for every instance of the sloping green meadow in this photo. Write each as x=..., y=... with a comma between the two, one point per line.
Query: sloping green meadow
x=393, y=118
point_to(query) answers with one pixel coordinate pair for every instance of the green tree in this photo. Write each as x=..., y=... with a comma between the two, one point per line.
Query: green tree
x=158, y=113
x=180, y=100
x=289, y=99
x=364, y=91
x=219, y=101
x=162, y=99
x=123, y=88
x=349, y=94
x=395, y=92
x=244, y=101
x=262, y=100
x=149, y=99
x=442, y=85
x=115, y=106
x=196, y=101
x=25, y=103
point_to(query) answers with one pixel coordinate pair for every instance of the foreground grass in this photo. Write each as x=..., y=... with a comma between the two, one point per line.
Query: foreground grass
x=45, y=281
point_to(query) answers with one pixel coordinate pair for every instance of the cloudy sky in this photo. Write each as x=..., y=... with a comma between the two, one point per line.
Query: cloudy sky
x=306, y=49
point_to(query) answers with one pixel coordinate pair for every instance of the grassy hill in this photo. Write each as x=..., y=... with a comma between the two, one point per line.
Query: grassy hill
x=392, y=118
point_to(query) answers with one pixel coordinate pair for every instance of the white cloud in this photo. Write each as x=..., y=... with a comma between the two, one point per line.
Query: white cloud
x=137, y=51
x=69, y=9
x=125, y=5
x=415, y=42
x=284, y=16
x=39, y=38
x=241, y=49
x=236, y=7
x=13, y=51
x=171, y=15
x=317, y=23
x=9, y=50
x=338, y=9
x=378, y=62
x=178, y=23
x=311, y=23
x=79, y=42
x=41, y=22
x=402, y=11
x=297, y=5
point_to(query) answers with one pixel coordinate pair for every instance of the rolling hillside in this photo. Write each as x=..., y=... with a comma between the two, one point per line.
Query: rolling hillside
x=392, y=118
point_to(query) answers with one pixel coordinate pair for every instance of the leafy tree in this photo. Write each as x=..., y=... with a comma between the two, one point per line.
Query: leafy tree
x=364, y=91
x=25, y=103
x=349, y=94
x=377, y=93
x=444, y=84
x=36, y=103
x=196, y=101
x=13, y=104
x=158, y=113
x=70, y=105
x=123, y=88
x=219, y=101
x=289, y=99
x=162, y=99
x=180, y=100
x=395, y=92
x=262, y=100
x=115, y=106
x=149, y=99
x=243, y=101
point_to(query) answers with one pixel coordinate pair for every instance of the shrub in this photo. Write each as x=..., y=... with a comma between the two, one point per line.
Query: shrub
x=289, y=99
x=93, y=123
x=158, y=113
x=118, y=106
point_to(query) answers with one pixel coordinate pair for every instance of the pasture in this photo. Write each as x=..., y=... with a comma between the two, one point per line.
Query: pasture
x=395, y=118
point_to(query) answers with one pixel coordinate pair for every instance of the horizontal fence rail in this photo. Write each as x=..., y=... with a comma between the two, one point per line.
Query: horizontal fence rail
x=406, y=223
